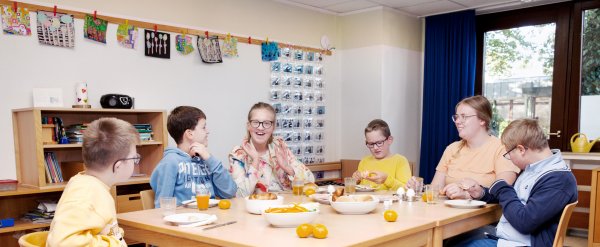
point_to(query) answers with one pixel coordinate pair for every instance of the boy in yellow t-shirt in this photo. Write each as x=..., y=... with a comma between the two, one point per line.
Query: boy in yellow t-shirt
x=86, y=214
x=381, y=170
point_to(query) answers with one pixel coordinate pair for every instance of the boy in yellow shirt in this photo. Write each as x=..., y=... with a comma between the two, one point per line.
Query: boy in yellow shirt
x=382, y=170
x=86, y=214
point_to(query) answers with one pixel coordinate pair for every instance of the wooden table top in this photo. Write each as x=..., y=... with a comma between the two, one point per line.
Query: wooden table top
x=254, y=230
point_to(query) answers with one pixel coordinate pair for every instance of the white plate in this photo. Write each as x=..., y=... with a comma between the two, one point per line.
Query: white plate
x=186, y=218
x=321, y=198
x=362, y=188
x=383, y=198
x=464, y=203
x=193, y=204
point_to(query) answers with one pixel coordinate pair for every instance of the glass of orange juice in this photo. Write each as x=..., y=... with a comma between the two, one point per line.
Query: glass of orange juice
x=431, y=193
x=202, y=197
x=297, y=186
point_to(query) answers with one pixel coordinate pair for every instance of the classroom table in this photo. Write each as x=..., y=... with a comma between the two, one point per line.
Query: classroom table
x=418, y=224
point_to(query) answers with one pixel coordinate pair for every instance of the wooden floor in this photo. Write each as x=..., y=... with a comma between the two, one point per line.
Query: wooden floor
x=574, y=241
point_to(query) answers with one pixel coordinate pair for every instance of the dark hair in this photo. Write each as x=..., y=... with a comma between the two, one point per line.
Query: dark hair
x=266, y=106
x=378, y=124
x=106, y=140
x=183, y=118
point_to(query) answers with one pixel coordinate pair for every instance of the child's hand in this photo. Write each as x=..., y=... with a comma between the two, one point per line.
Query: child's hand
x=199, y=149
x=357, y=175
x=281, y=154
x=250, y=151
x=377, y=177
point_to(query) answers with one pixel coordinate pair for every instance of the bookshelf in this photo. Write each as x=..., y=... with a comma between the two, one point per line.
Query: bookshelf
x=30, y=146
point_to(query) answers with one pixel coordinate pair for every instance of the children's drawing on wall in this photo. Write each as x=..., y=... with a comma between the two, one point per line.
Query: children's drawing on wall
x=127, y=35
x=95, y=29
x=210, y=51
x=184, y=44
x=15, y=22
x=57, y=29
x=230, y=46
x=157, y=44
x=270, y=51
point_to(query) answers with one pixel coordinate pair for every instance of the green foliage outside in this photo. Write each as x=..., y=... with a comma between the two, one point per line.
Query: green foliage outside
x=590, y=53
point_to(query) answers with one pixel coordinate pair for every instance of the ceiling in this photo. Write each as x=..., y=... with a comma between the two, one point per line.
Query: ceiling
x=420, y=8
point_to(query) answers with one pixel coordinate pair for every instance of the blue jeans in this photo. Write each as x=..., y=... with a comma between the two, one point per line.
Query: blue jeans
x=486, y=242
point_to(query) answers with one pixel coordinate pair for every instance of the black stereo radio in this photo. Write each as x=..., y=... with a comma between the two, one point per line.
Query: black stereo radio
x=117, y=101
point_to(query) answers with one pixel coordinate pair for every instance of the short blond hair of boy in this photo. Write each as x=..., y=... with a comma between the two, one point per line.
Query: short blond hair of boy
x=106, y=140
x=526, y=132
x=378, y=124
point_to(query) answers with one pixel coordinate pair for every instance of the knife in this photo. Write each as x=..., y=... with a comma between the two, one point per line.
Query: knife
x=219, y=225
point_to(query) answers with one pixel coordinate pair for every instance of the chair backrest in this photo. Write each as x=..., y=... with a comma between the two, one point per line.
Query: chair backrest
x=561, y=231
x=147, y=197
x=34, y=239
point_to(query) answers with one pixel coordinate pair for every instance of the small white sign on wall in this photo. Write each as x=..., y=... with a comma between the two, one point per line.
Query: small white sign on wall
x=47, y=97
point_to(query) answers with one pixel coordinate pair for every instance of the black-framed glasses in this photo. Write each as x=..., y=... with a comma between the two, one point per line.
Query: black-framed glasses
x=266, y=124
x=378, y=144
x=136, y=160
x=507, y=154
x=461, y=117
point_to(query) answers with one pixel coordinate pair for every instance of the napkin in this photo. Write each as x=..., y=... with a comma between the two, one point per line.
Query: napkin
x=207, y=221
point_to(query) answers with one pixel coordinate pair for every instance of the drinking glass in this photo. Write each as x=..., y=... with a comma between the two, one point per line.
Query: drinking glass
x=297, y=187
x=431, y=193
x=168, y=205
x=202, y=197
x=419, y=186
x=349, y=185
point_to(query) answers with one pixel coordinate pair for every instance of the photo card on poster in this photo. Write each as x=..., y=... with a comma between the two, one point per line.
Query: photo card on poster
x=209, y=49
x=157, y=44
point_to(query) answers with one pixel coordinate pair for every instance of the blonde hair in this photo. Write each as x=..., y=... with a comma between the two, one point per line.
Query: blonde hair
x=266, y=106
x=378, y=124
x=483, y=110
x=526, y=132
x=106, y=140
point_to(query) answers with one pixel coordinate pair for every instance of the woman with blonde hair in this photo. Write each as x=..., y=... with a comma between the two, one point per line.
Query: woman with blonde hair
x=478, y=155
x=264, y=163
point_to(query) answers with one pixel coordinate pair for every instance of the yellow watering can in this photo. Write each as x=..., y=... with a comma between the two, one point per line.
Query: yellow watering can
x=581, y=143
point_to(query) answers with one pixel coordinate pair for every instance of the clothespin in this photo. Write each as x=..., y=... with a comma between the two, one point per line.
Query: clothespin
x=94, y=15
x=155, y=28
x=126, y=22
x=54, y=10
x=184, y=32
x=267, y=40
x=228, y=36
x=15, y=6
x=206, y=33
x=249, y=40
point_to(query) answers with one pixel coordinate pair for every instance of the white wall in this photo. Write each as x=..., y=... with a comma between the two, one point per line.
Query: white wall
x=224, y=91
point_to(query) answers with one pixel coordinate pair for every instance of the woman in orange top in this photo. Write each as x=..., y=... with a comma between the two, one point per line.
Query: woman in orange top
x=478, y=155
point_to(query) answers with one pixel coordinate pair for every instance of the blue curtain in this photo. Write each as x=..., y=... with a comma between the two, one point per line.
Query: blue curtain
x=449, y=77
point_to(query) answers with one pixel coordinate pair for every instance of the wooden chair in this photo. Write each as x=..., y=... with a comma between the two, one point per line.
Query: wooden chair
x=561, y=231
x=147, y=197
x=34, y=239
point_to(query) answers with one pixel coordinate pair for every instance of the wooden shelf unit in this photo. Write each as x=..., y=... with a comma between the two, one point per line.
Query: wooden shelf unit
x=582, y=165
x=30, y=162
x=29, y=148
x=594, y=231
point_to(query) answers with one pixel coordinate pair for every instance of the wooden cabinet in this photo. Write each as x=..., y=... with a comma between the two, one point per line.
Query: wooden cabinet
x=594, y=232
x=582, y=165
x=30, y=162
x=30, y=148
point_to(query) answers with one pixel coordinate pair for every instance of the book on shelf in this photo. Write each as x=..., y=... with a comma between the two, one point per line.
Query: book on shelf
x=53, y=171
x=145, y=131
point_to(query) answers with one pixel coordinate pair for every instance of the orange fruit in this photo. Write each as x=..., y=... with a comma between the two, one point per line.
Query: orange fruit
x=309, y=191
x=390, y=215
x=224, y=204
x=304, y=230
x=320, y=231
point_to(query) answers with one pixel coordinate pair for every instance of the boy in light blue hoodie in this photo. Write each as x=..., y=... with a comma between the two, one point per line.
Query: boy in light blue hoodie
x=190, y=165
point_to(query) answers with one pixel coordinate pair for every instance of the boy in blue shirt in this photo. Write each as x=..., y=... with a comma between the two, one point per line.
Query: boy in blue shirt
x=533, y=206
x=189, y=166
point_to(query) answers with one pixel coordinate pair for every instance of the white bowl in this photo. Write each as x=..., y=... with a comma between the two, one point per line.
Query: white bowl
x=355, y=207
x=258, y=206
x=290, y=219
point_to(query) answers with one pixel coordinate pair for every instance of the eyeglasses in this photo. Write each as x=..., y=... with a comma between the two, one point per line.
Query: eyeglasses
x=136, y=160
x=378, y=144
x=462, y=118
x=507, y=154
x=266, y=124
